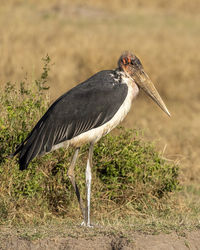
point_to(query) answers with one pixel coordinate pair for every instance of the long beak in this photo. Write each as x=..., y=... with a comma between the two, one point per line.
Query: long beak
x=144, y=82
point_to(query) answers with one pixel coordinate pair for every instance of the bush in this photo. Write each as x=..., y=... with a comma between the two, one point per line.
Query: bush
x=124, y=162
x=126, y=169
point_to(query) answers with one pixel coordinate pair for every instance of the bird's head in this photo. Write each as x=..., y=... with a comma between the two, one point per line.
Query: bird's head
x=133, y=68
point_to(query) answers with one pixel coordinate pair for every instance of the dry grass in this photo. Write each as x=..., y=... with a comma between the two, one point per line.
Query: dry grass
x=84, y=38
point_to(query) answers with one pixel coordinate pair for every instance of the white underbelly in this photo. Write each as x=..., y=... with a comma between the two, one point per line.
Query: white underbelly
x=95, y=134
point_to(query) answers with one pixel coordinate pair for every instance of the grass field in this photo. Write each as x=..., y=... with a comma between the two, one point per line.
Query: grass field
x=85, y=37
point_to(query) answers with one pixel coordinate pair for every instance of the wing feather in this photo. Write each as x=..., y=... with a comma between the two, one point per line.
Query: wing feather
x=86, y=106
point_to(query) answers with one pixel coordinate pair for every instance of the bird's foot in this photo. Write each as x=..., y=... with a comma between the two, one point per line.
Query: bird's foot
x=84, y=224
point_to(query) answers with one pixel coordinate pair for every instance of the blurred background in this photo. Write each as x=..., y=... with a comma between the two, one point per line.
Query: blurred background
x=83, y=37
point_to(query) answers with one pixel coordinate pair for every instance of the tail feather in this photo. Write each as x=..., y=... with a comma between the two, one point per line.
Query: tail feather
x=17, y=150
x=23, y=149
x=24, y=157
x=27, y=149
x=36, y=142
x=33, y=147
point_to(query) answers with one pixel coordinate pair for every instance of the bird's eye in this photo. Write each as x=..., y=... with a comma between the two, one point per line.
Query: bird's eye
x=137, y=61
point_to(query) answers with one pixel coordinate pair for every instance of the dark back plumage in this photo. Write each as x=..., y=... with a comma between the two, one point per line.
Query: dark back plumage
x=86, y=106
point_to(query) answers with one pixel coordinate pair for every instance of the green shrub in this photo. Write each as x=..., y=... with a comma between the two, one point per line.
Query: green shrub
x=124, y=162
x=20, y=108
x=126, y=169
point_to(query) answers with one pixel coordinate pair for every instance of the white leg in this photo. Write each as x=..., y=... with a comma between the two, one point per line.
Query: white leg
x=88, y=191
x=71, y=175
x=88, y=177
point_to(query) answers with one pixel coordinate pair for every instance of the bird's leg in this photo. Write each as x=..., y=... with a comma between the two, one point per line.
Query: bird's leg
x=88, y=177
x=71, y=176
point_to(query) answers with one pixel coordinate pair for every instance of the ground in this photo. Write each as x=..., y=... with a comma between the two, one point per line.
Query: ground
x=135, y=240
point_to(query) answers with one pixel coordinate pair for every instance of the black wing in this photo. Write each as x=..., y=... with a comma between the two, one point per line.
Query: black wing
x=86, y=106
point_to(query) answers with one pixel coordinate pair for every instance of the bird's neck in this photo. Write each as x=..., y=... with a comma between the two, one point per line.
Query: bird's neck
x=124, y=78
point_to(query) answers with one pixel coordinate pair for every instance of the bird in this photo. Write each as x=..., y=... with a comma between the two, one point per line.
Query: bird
x=85, y=114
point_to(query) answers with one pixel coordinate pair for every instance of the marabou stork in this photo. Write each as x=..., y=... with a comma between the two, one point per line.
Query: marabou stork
x=85, y=113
